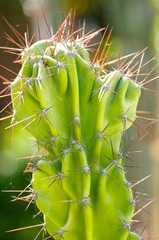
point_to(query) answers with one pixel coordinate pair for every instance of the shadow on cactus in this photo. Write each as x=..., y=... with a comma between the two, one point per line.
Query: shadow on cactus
x=78, y=110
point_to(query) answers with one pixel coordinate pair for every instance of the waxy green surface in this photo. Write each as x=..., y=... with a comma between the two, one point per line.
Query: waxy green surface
x=79, y=113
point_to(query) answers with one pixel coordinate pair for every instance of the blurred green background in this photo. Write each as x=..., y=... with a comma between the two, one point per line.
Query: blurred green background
x=135, y=26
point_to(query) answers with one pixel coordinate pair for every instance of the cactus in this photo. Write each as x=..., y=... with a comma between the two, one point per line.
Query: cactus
x=78, y=110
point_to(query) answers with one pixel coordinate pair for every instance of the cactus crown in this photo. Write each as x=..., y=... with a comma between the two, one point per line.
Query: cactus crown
x=78, y=110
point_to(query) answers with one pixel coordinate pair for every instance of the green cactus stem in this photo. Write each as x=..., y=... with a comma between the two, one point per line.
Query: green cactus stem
x=78, y=111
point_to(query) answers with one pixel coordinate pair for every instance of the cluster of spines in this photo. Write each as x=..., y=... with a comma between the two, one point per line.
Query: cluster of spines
x=65, y=147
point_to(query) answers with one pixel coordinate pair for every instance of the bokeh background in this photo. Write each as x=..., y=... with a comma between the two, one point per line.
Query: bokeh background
x=135, y=26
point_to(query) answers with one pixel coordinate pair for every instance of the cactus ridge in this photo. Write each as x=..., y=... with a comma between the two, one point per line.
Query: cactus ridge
x=78, y=111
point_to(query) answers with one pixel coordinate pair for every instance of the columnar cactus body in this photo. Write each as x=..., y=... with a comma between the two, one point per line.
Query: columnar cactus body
x=78, y=112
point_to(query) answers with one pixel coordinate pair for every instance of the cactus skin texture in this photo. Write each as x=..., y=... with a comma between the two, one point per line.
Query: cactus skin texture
x=78, y=112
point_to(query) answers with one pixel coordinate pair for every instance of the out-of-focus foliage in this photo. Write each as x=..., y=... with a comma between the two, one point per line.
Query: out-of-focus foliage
x=12, y=214
x=132, y=22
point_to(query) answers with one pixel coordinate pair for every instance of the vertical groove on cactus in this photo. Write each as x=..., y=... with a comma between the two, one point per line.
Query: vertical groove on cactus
x=79, y=112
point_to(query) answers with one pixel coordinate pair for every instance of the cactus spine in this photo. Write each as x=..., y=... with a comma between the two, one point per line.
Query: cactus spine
x=78, y=111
